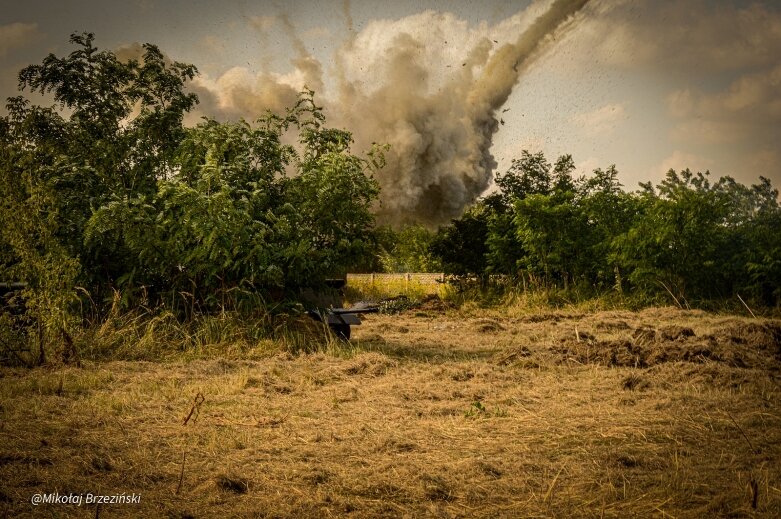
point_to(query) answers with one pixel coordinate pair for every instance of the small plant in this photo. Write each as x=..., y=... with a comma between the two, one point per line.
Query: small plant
x=476, y=409
x=398, y=304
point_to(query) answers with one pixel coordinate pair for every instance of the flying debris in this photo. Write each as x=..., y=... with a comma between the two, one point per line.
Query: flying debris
x=440, y=127
x=440, y=157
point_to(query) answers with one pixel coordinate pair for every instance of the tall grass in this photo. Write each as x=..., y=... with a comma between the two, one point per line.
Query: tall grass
x=247, y=327
x=241, y=330
x=364, y=290
x=511, y=297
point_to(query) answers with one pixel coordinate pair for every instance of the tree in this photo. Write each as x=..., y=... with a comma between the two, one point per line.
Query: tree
x=529, y=175
x=555, y=235
x=112, y=133
x=672, y=245
x=116, y=193
x=59, y=163
x=461, y=246
x=751, y=255
x=408, y=250
x=228, y=214
x=610, y=213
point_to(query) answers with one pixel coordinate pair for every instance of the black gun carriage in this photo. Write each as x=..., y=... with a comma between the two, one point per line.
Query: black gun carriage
x=328, y=309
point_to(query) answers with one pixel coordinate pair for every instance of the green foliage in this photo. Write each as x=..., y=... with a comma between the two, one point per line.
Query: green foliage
x=554, y=233
x=461, y=246
x=686, y=238
x=529, y=175
x=114, y=129
x=673, y=242
x=229, y=215
x=108, y=190
x=407, y=250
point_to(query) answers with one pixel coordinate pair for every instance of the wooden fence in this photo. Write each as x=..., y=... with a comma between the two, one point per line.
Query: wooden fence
x=423, y=278
x=407, y=283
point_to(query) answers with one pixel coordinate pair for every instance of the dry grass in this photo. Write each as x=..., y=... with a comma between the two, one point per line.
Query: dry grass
x=453, y=413
x=384, y=288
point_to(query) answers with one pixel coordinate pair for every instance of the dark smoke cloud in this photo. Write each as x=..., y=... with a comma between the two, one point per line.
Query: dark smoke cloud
x=440, y=158
x=394, y=86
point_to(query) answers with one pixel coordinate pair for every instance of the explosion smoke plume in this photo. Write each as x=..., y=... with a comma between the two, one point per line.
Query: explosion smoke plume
x=440, y=126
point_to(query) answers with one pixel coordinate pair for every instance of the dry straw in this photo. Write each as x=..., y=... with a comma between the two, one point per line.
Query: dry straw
x=458, y=413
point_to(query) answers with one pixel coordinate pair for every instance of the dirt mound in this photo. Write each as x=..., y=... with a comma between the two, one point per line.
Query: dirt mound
x=610, y=325
x=674, y=333
x=432, y=303
x=738, y=344
x=690, y=352
x=648, y=347
x=607, y=353
x=761, y=337
x=487, y=326
x=647, y=334
x=549, y=316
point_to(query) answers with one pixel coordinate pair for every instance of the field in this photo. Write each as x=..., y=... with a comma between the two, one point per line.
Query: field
x=434, y=412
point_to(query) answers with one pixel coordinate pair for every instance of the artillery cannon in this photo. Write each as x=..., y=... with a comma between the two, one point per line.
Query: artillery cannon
x=328, y=309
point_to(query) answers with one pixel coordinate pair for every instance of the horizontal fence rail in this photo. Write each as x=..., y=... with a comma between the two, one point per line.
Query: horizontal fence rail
x=410, y=284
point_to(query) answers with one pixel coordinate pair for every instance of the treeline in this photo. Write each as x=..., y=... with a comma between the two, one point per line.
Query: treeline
x=686, y=238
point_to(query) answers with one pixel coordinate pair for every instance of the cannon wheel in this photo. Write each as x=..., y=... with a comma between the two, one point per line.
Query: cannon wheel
x=342, y=331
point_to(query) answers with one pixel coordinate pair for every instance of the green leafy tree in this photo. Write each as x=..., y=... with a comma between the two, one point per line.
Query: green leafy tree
x=228, y=214
x=461, y=246
x=750, y=256
x=672, y=245
x=111, y=134
x=555, y=234
x=408, y=250
x=529, y=175
x=116, y=193
x=610, y=213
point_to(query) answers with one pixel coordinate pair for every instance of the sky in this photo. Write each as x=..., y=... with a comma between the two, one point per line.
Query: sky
x=647, y=85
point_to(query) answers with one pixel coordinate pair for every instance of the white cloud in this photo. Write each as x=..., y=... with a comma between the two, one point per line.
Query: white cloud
x=601, y=121
x=747, y=112
x=682, y=35
x=316, y=33
x=262, y=23
x=680, y=160
x=15, y=35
